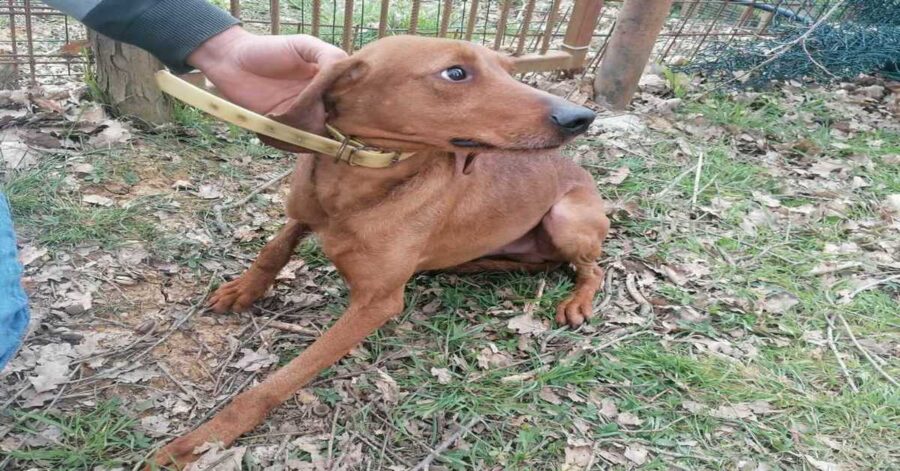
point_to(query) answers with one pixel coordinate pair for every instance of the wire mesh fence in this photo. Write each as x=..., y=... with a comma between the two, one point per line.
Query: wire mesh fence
x=39, y=44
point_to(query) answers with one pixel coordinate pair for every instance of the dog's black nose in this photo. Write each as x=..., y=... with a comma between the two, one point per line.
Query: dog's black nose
x=572, y=119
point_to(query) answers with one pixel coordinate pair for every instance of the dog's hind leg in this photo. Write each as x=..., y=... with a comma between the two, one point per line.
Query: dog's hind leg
x=577, y=226
x=238, y=294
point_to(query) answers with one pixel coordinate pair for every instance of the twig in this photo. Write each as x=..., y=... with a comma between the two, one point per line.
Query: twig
x=14, y=397
x=172, y=378
x=143, y=460
x=257, y=190
x=288, y=327
x=539, y=293
x=866, y=352
x=240, y=344
x=445, y=444
x=229, y=454
x=697, y=174
x=780, y=50
x=675, y=182
x=337, y=411
x=633, y=290
x=618, y=339
x=390, y=452
x=838, y=355
x=217, y=210
x=237, y=391
x=825, y=270
x=869, y=286
x=194, y=309
x=814, y=61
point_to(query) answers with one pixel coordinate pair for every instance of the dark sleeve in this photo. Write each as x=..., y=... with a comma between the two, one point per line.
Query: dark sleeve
x=168, y=29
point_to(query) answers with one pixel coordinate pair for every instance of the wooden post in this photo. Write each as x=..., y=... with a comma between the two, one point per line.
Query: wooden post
x=585, y=14
x=628, y=51
x=575, y=46
x=124, y=74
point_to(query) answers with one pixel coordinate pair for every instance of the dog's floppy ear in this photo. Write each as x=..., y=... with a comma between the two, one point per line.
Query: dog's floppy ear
x=307, y=111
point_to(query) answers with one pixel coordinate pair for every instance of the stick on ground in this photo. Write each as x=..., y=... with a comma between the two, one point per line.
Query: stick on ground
x=866, y=352
x=423, y=465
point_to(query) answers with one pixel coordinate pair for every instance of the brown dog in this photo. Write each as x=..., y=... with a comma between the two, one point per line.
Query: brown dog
x=486, y=190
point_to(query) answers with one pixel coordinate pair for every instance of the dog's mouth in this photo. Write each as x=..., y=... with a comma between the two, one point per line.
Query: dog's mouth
x=469, y=143
x=473, y=144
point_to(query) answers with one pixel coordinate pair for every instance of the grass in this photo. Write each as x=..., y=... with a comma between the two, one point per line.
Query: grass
x=705, y=348
x=53, y=215
x=104, y=436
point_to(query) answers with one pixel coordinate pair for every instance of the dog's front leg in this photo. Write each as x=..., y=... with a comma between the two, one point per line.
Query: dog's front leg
x=370, y=307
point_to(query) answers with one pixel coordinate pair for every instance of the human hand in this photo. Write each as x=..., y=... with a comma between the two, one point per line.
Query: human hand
x=263, y=73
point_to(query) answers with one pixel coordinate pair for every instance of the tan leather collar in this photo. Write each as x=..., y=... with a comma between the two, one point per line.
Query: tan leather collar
x=342, y=148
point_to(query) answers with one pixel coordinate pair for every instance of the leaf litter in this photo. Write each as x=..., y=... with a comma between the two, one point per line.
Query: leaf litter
x=96, y=308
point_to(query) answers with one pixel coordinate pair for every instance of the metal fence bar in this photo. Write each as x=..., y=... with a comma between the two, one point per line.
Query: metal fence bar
x=347, y=37
x=548, y=27
x=446, y=9
x=530, y=29
x=526, y=22
x=414, y=17
x=473, y=16
x=29, y=37
x=275, y=15
x=383, y=18
x=706, y=34
x=12, y=36
x=501, y=23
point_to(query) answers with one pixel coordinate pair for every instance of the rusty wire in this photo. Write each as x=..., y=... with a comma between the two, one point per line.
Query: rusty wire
x=528, y=27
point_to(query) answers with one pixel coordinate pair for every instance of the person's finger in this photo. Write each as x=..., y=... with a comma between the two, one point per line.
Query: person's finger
x=314, y=50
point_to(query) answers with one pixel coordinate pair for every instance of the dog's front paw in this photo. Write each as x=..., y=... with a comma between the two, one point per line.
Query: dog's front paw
x=237, y=295
x=176, y=455
x=575, y=310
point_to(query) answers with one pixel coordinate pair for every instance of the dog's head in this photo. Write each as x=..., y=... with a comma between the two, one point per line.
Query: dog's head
x=413, y=93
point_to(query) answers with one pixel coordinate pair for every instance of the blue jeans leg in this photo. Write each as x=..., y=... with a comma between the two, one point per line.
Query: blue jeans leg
x=13, y=302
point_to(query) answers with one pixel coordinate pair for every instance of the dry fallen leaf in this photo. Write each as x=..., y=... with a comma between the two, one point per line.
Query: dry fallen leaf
x=114, y=133
x=492, y=357
x=892, y=204
x=613, y=456
x=49, y=376
x=548, y=395
x=215, y=457
x=255, y=361
x=156, y=425
x=608, y=408
x=693, y=407
x=822, y=465
x=733, y=412
x=30, y=253
x=209, y=192
x=579, y=454
x=98, y=200
x=289, y=272
x=442, y=374
x=526, y=324
x=627, y=418
x=389, y=389
x=779, y=303
x=637, y=454
x=617, y=176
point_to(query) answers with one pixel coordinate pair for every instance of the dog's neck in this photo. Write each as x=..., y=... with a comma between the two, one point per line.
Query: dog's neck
x=344, y=188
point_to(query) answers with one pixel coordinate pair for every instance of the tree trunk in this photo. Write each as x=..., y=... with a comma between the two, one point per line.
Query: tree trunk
x=124, y=76
x=628, y=51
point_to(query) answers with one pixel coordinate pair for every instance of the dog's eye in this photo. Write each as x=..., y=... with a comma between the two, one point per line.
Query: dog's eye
x=454, y=74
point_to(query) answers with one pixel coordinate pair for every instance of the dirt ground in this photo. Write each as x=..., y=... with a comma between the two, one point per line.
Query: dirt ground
x=749, y=319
